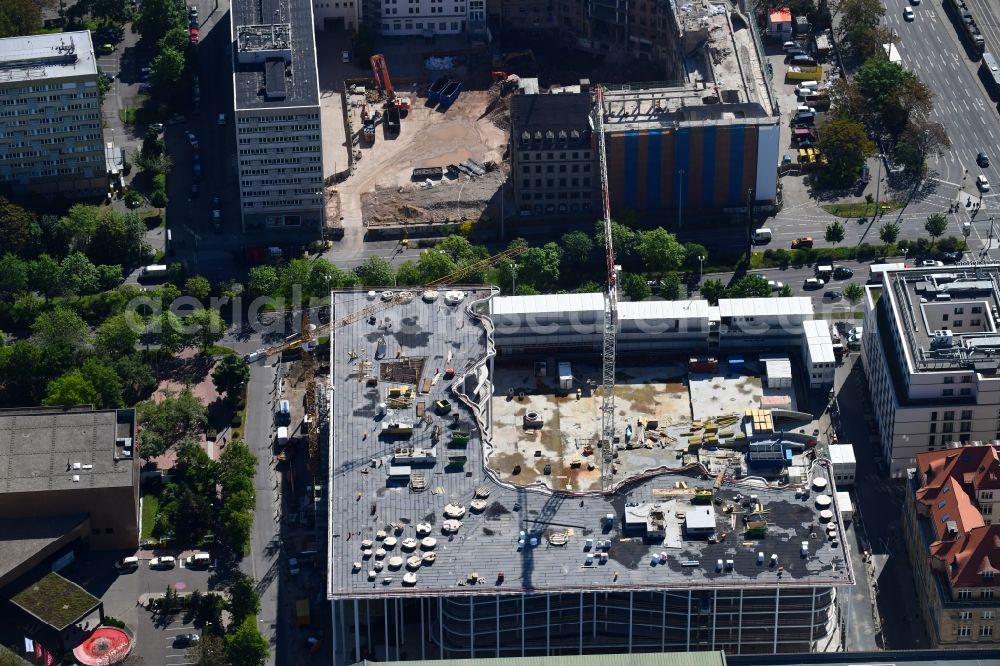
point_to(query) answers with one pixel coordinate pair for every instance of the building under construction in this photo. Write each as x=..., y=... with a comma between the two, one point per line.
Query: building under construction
x=443, y=547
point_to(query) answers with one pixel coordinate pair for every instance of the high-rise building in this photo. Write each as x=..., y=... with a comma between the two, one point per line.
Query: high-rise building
x=278, y=134
x=931, y=352
x=51, y=137
x=952, y=498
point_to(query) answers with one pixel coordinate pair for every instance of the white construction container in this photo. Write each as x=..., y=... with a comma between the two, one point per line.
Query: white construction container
x=843, y=463
x=565, y=376
x=845, y=505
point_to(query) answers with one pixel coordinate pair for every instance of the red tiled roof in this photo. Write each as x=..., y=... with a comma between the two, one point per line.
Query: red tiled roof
x=949, y=481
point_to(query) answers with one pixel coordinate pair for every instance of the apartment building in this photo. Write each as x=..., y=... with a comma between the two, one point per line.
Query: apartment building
x=953, y=498
x=554, y=165
x=337, y=14
x=278, y=132
x=51, y=137
x=427, y=18
x=931, y=352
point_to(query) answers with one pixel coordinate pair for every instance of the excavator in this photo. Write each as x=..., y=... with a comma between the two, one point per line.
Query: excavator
x=382, y=81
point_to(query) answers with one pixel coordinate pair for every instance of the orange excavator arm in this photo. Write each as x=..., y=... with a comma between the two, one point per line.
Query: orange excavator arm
x=381, y=72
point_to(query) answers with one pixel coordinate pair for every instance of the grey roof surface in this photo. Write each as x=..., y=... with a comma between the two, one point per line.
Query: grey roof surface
x=39, y=57
x=566, y=111
x=23, y=538
x=363, y=501
x=302, y=87
x=645, y=659
x=40, y=447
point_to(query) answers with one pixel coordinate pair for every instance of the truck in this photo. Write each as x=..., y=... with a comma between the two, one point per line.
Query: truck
x=153, y=273
x=892, y=53
x=434, y=92
x=804, y=73
x=392, y=119
x=302, y=617
x=450, y=93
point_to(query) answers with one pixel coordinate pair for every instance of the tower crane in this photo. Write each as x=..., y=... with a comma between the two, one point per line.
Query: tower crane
x=610, y=346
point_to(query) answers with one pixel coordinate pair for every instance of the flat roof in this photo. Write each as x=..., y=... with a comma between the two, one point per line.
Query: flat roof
x=705, y=658
x=819, y=341
x=279, y=38
x=546, y=303
x=766, y=307
x=49, y=448
x=56, y=601
x=24, y=538
x=443, y=449
x=563, y=111
x=951, y=316
x=49, y=56
x=842, y=453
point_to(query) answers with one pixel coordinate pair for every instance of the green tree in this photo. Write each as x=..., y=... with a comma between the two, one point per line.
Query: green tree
x=157, y=17
x=79, y=275
x=115, y=337
x=749, y=286
x=16, y=222
x=671, y=288
x=167, y=422
x=244, y=601
x=13, y=276
x=237, y=521
x=206, y=328
x=198, y=287
x=195, y=468
x=209, y=651
x=63, y=337
x=230, y=375
x=660, y=251
x=138, y=380
x=167, y=331
x=854, y=292
x=106, y=383
x=785, y=291
x=858, y=18
x=634, y=287
x=888, y=233
x=846, y=145
x=325, y=276
x=69, y=390
x=589, y=287
x=246, y=646
x=119, y=238
x=435, y=264
x=237, y=462
x=20, y=17
x=112, y=11
x=408, y=274
x=263, y=281
x=578, y=251
x=21, y=373
x=712, y=291
x=81, y=222
x=461, y=250
x=691, y=253
x=626, y=241
x=834, y=232
x=109, y=276
x=45, y=276
x=539, y=266
x=375, y=272
x=936, y=225
x=293, y=279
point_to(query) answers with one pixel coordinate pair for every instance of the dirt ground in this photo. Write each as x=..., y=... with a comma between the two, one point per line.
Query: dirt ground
x=570, y=423
x=429, y=137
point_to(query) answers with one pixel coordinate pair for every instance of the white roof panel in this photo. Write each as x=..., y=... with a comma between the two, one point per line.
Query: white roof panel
x=842, y=453
x=763, y=307
x=690, y=309
x=521, y=305
x=819, y=341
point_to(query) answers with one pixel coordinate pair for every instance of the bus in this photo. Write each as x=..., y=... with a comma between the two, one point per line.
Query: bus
x=991, y=73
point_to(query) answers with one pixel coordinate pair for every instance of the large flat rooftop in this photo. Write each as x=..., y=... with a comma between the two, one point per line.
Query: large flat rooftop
x=275, y=54
x=48, y=448
x=949, y=316
x=725, y=80
x=400, y=473
x=39, y=57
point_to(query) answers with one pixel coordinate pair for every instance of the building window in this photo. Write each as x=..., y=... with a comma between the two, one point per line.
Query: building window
x=965, y=391
x=933, y=416
x=959, y=322
x=965, y=615
x=948, y=392
x=966, y=414
x=985, y=630
x=988, y=594
x=934, y=427
x=949, y=416
x=966, y=379
x=965, y=594
x=986, y=495
x=963, y=631
x=932, y=441
x=949, y=380
x=965, y=426
x=989, y=615
x=959, y=310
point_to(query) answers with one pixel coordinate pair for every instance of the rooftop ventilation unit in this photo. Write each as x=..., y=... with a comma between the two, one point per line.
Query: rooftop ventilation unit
x=942, y=338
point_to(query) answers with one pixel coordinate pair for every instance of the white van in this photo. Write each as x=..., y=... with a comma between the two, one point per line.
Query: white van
x=283, y=414
x=127, y=564
x=164, y=562
x=198, y=561
x=762, y=235
x=282, y=437
x=807, y=85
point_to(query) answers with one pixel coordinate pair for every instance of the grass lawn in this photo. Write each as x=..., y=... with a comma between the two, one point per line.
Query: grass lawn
x=150, y=506
x=860, y=208
x=56, y=600
x=220, y=350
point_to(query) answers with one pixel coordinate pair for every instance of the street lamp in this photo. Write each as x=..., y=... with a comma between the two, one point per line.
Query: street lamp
x=878, y=182
x=701, y=267
x=680, y=196
x=513, y=279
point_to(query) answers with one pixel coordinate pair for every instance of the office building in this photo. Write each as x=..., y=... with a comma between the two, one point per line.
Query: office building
x=462, y=524
x=930, y=349
x=426, y=18
x=69, y=479
x=554, y=164
x=331, y=15
x=278, y=133
x=51, y=137
x=952, y=499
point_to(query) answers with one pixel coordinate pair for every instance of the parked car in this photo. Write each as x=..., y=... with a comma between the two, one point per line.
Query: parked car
x=184, y=640
x=127, y=564
x=217, y=221
x=983, y=160
x=106, y=49
x=774, y=285
x=931, y=263
x=951, y=257
x=345, y=56
x=833, y=295
x=222, y=119
x=813, y=283
x=842, y=273
x=164, y=562
x=982, y=183
x=804, y=242
x=194, y=35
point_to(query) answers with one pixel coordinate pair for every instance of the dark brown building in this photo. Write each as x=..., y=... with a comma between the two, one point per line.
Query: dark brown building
x=553, y=152
x=68, y=477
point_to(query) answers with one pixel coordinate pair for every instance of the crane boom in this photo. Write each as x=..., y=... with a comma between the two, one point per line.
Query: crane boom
x=381, y=72
x=398, y=298
x=610, y=346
